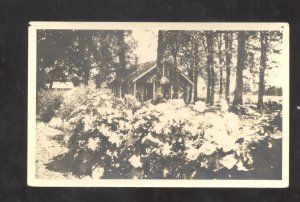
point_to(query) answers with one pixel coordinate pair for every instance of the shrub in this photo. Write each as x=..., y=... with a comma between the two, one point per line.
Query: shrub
x=57, y=123
x=111, y=137
x=48, y=102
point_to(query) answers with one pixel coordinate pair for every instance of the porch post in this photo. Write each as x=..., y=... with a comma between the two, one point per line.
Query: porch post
x=134, y=89
x=153, y=96
x=187, y=93
x=171, y=93
x=120, y=91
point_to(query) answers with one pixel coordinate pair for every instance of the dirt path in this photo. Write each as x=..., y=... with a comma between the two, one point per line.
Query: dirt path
x=48, y=147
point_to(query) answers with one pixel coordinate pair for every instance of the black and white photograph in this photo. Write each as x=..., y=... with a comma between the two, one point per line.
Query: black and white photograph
x=158, y=104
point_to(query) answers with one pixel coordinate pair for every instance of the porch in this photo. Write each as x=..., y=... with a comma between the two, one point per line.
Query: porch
x=158, y=92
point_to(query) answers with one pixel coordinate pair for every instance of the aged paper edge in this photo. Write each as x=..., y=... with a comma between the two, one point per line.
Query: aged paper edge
x=31, y=147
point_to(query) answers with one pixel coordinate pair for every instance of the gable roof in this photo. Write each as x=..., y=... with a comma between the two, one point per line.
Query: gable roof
x=184, y=76
x=143, y=69
x=146, y=67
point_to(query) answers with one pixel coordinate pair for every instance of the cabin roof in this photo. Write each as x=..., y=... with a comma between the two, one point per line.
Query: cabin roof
x=145, y=68
x=142, y=70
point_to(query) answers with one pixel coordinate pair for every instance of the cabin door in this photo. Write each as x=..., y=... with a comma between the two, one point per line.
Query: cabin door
x=148, y=92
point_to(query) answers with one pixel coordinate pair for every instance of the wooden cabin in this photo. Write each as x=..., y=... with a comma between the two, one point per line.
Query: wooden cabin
x=143, y=83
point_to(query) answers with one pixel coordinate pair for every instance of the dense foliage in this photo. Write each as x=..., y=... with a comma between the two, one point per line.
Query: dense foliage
x=111, y=137
x=82, y=55
x=48, y=103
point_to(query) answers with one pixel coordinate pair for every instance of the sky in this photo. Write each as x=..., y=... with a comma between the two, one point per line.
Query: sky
x=146, y=44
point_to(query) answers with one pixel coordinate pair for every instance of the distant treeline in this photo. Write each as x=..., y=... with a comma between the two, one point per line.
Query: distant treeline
x=273, y=90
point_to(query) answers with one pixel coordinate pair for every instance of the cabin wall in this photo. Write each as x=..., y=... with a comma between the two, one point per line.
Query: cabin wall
x=130, y=89
x=116, y=90
x=147, y=88
x=144, y=91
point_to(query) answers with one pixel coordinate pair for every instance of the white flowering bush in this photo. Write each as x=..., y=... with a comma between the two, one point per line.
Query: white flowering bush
x=111, y=137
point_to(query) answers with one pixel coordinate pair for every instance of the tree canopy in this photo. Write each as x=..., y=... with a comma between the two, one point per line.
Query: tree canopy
x=231, y=63
x=82, y=55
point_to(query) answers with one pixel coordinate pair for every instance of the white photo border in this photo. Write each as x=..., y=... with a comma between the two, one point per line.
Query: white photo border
x=232, y=183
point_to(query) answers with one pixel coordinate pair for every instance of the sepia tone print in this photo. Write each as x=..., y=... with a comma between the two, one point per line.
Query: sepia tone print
x=160, y=103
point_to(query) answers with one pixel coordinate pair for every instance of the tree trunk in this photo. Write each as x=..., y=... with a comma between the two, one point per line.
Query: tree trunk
x=213, y=83
x=175, y=61
x=83, y=61
x=241, y=57
x=221, y=61
x=196, y=67
x=122, y=61
x=86, y=75
x=159, y=62
x=208, y=85
x=50, y=84
x=263, y=65
x=191, y=77
x=160, y=53
x=208, y=64
x=221, y=81
x=86, y=68
x=228, y=48
x=121, y=52
x=212, y=71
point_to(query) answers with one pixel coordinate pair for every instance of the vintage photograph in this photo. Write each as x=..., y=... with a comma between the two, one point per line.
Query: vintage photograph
x=158, y=104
